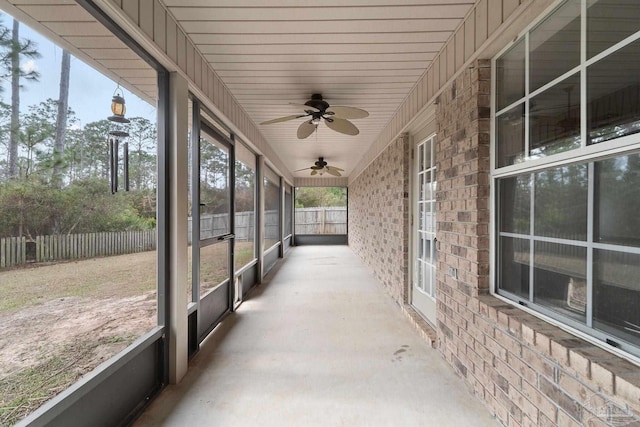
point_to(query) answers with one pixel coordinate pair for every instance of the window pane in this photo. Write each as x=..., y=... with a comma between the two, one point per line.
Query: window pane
x=515, y=204
x=555, y=45
x=510, y=136
x=554, y=119
x=427, y=193
x=618, y=201
x=559, y=278
x=514, y=266
x=427, y=154
x=271, y=213
x=510, y=76
x=610, y=21
x=561, y=202
x=613, y=95
x=214, y=188
x=616, y=294
x=245, y=220
x=214, y=266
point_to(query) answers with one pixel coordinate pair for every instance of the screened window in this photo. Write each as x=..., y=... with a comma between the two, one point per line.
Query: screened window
x=78, y=258
x=288, y=210
x=271, y=208
x=321, y=210
x=568, y=233
x=245, y=199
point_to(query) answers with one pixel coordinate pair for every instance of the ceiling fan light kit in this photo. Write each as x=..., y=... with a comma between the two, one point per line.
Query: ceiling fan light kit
x=317, y=110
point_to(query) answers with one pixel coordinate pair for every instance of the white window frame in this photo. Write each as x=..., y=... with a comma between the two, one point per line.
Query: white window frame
x=584, y=154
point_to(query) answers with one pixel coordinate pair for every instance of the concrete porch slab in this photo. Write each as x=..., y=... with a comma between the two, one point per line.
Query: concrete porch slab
x=319, y=344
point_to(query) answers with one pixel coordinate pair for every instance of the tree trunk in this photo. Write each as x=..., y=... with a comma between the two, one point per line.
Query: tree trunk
x=61, y=120
x=15, y=101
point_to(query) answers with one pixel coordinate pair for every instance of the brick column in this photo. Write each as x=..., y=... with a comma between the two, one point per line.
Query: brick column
x=462, y=157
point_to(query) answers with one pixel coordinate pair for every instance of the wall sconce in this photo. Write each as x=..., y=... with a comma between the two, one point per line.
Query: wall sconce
x=118, y=131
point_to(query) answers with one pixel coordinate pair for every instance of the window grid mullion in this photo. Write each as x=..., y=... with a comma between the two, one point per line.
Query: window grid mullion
x=531, y=233
x=526, y=96
x=584, y=137
x=590, y=226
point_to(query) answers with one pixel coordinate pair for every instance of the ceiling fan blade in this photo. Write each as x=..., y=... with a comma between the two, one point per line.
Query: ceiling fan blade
x=348, y=112
x=304, y=107
x=335, y=168
x=306, y=129
x=300, y=170
x=283, y=119
x=333, y=171
x=342, y=126
x=314, y=172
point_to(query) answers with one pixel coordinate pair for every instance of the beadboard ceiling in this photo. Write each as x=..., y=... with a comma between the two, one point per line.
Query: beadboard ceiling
x=362, y=53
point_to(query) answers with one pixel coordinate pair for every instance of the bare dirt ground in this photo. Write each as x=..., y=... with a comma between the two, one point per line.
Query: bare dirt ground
x=58, y=322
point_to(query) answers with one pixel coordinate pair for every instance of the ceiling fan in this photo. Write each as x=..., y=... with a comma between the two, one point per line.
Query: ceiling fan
x=320, y=167
x=316, y=109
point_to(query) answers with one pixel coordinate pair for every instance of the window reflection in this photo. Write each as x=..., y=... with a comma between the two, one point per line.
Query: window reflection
x=555, y=45
x=554, y=119
x=613, y=95
x=510, y=136
x=510, y=76
x=608, y=22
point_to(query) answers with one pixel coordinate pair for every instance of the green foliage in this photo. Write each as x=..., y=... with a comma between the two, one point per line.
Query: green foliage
x=33, y=208
x=311, y=197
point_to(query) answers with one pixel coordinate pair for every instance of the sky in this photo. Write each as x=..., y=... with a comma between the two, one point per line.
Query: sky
x=89, y=91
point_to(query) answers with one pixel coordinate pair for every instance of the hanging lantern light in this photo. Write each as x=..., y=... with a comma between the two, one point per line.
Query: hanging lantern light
x=118, y=131
x=118, y=107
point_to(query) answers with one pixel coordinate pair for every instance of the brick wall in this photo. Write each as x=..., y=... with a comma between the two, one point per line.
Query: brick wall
x=378, y=217
x=528, y=372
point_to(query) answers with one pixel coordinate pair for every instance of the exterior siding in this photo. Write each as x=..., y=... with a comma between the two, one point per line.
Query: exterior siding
x=378, y=217
x=170, y=41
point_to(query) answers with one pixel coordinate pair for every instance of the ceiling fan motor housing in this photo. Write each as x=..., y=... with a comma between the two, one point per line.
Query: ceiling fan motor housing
x=320, y=163
x=317, y=102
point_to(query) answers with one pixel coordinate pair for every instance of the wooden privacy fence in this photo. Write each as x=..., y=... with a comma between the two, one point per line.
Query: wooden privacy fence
x=216, y=224
x=321, y=220
x=18, y=250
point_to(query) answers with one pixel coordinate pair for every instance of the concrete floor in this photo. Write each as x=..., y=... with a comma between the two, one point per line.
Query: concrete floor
x=319, y=344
